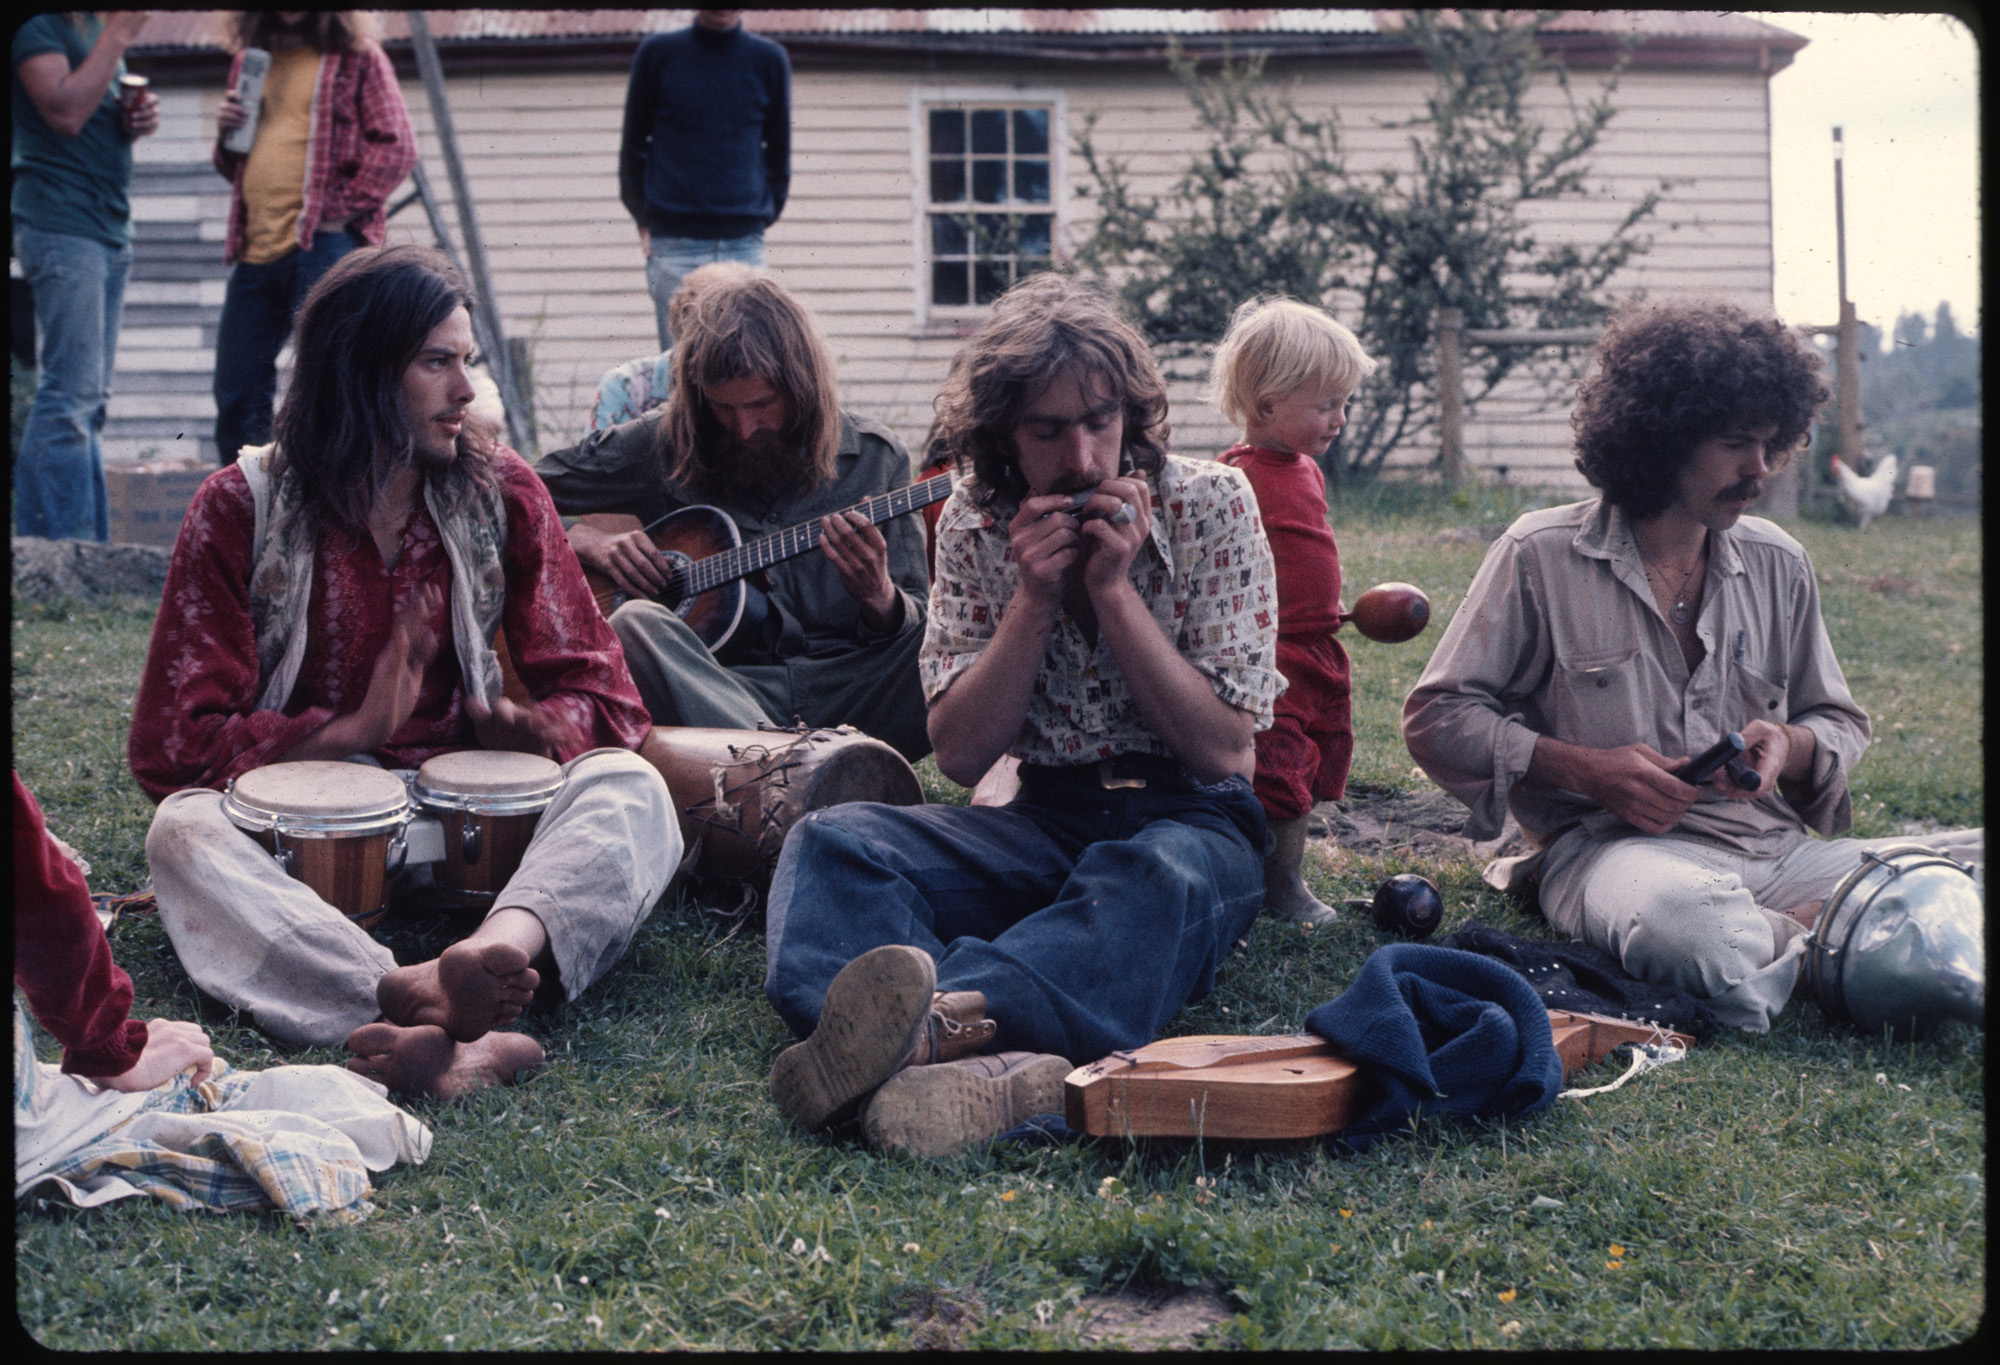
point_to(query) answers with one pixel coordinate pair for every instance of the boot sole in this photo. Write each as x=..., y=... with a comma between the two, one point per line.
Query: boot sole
x=874, y=1011
x=935, y=1111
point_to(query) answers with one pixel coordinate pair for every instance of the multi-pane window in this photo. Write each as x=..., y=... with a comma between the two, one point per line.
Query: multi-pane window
x=991, y=214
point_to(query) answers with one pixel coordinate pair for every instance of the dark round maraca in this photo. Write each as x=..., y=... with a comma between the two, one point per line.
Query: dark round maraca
x=1391, y=612
x=1407, y=904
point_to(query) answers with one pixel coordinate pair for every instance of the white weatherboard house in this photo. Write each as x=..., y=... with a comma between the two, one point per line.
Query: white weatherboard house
x=898, y=114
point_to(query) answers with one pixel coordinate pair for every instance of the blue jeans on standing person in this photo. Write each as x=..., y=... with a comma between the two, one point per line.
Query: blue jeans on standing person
x=1088, y=917
x=670, y=259
x=257, y=310
x=79, y=288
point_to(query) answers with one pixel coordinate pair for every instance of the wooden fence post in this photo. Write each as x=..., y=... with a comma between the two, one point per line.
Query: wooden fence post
x=1451, y=396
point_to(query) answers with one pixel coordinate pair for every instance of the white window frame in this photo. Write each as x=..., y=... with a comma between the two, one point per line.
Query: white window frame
x=958, y=319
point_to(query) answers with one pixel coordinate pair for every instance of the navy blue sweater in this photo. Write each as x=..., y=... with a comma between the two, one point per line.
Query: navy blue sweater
x=707, y=149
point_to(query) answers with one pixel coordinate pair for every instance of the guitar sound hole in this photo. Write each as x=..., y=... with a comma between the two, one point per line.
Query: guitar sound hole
x=675, y=596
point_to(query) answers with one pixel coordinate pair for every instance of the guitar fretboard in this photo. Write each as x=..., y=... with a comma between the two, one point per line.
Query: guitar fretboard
x=716, y=569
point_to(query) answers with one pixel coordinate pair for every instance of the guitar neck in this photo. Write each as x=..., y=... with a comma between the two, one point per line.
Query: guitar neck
x=715, y=570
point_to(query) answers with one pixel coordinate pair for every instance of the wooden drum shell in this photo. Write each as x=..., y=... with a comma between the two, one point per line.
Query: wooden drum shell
x=739, y=792
x=348, y=872
x=486, y=831
x=336, y=827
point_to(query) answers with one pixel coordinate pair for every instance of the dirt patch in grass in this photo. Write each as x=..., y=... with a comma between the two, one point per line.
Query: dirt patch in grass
x=1372, y=821
x=1173, y=1320
x=938, y=1317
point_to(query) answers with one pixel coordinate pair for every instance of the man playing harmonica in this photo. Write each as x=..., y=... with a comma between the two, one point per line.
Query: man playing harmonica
x=335, y=595
x=754, y=428
x=1107, y=613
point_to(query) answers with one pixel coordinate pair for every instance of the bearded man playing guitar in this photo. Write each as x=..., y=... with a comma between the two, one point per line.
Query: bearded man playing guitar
x=752, y=445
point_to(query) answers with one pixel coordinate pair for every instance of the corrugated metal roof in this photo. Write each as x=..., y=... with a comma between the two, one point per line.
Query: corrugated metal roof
x=185, y=30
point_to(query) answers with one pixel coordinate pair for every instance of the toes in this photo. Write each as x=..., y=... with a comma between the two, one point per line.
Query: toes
x=373, y=1040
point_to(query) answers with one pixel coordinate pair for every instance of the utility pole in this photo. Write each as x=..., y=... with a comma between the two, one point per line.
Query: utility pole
x=486, y=318
x=1847, y=342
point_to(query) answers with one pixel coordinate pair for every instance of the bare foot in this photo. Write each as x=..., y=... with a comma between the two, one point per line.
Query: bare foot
x=470, y=988
x=425, y=1061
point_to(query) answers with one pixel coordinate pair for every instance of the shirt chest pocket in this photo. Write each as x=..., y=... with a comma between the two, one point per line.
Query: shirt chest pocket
x=1598, y=702
x=1759, y=696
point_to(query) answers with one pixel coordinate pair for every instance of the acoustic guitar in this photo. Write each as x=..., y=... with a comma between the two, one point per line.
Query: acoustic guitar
x=707, y=562
x=1271, y=1088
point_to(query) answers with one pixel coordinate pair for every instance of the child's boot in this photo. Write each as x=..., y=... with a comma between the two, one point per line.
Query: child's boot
x=1285, y=893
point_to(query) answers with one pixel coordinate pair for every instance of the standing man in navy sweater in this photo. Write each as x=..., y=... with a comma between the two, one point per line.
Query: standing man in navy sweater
x=706, y=156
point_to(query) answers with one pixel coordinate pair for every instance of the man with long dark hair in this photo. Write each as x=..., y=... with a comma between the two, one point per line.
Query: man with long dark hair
x=1106, y=613
x=1605, y=643
x=332, y=141
x=753, y=427
x=336, y=596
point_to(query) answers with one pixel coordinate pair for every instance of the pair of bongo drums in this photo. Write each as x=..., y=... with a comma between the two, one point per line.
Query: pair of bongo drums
x=343, y=828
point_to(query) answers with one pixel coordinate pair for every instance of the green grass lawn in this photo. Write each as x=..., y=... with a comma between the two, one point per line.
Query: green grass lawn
x=1807, y=1189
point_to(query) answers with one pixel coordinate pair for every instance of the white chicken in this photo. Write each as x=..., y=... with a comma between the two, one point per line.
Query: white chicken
x=1868, y=498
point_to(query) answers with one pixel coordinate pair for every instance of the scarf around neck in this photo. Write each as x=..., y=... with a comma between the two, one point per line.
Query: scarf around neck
x=281, y=575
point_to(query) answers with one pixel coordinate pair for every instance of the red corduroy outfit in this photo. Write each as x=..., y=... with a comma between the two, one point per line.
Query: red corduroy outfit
x=62, y=961
x=1305, y=755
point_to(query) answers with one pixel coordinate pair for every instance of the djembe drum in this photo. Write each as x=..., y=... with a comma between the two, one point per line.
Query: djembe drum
x=739, y=792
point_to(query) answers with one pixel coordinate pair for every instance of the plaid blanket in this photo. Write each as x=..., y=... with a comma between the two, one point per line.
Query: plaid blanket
x=300, y=1139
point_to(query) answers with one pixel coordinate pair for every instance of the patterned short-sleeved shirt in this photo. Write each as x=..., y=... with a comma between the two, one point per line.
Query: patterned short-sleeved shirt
x=1205, y=575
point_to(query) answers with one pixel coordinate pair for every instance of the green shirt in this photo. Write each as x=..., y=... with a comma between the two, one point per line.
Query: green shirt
x=74, y=185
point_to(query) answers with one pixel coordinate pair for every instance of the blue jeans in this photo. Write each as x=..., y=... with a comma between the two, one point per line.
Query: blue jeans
x=257, y=310
x=79, y=286
x=672, y=258
x=1087, y=917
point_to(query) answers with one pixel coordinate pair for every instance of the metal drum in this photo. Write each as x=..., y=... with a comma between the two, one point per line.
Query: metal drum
x=337, y=827
x=1901, y=944
x=489, y=802
x=739, y=792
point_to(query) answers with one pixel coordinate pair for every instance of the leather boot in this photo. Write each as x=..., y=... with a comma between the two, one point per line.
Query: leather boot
x=956, y=1027
x=1285, y=894
x=935, y=1111
x=877, y=1012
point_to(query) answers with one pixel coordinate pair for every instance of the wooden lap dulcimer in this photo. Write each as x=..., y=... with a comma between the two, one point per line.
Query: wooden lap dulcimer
x=1274, y=1088
x=706, y=560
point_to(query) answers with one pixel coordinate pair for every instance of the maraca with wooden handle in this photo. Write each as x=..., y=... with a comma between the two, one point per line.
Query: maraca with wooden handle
x=1390, y=612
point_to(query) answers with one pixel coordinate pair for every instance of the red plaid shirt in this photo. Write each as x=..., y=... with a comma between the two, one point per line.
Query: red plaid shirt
x=361, y=148
x=195, y=722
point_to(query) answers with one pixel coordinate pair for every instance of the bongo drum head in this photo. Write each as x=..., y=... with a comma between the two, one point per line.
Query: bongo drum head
x=318, y=795
x=489, y=780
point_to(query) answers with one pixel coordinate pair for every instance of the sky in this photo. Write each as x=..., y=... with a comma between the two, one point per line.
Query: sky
x=1904, y=90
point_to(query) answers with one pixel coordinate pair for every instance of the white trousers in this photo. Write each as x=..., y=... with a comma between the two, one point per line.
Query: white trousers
x=1706, y=920
x=257, y=939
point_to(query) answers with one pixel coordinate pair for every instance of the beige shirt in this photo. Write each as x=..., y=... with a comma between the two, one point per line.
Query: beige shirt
x=1205, y=574
x=1559, y=635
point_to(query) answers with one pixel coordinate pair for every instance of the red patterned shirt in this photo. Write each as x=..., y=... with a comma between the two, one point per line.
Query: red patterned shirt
x=195, y=723
x=360, y=149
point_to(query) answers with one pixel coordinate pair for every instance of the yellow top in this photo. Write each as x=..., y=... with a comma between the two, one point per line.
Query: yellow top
x=274, y=181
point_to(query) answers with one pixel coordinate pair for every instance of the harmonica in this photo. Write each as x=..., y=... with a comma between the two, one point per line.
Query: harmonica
x=1122, y=517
